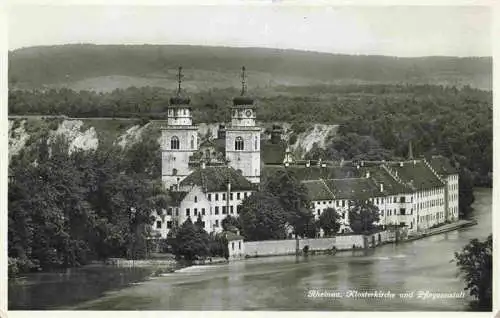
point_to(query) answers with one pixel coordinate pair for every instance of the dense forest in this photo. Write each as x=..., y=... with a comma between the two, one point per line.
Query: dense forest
x=376, y=121
x=37, y=66
x=70, y=208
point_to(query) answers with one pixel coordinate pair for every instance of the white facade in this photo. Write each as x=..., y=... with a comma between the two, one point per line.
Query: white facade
x=211, y=206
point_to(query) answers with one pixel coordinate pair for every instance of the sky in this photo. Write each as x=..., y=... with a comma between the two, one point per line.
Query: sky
x=396, y=31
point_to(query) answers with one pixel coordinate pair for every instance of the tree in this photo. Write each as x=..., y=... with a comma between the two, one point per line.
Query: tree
x=329, y=221
x=70, y=208
x=262, y=218
x=465, y=193
x=475, y=264
x=190, y=242
x=362, y=216
x=293, y=198
x=230, y=221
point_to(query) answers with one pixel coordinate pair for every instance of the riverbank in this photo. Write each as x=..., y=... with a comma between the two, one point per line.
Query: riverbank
x=442, y=229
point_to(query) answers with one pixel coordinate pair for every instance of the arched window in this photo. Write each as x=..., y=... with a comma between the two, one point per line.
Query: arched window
x=174, y=172
x=192, y=142
x=256, y=141
x=238, y=143
x=174, y=143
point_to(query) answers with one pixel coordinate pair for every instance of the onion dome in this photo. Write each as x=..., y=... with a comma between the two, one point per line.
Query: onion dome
x=243, y=101
x=179, y=100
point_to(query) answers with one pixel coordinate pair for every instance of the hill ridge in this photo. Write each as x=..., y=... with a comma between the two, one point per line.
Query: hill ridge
x=34, y=67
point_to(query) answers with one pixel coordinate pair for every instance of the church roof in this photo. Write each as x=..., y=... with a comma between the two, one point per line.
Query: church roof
x=214, y=179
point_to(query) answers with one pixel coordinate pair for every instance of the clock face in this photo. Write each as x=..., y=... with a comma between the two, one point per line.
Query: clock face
x=249, y=113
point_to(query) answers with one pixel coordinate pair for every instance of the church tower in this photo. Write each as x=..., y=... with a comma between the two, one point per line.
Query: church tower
x=243, y=137
x=179, y=139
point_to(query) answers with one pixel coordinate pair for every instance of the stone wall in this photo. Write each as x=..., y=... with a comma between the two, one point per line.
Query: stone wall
x=288, y=247
x=269, y=248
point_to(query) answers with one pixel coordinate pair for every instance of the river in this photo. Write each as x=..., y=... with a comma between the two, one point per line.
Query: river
x=284, y=283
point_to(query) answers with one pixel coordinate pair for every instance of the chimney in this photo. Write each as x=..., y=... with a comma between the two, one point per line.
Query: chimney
x=276, y=134
x=410, y=150
x=381, y=187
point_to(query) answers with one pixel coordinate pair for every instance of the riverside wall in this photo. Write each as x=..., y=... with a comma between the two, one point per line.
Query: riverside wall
x=289, y=247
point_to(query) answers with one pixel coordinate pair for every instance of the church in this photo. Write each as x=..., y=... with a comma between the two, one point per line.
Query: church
x=211, y=179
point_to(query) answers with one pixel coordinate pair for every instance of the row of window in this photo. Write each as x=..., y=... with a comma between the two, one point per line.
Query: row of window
x=402, y=211
x=223, y=196
x=343, y=203
x=232, y=210
x=432, y=217
x=430, y=192
x=431, y=203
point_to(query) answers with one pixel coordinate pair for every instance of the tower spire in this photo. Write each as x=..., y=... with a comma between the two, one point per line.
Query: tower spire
x=179, y=80
x=243, y=82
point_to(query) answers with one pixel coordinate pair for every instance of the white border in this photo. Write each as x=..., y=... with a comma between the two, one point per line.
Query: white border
x=4, y=157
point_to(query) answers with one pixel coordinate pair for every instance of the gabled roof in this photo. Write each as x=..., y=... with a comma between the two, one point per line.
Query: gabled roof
x=353, y=188
x=177, y=197
x=318, y=190
x=380, y=176
x=230, y=236
x=417, y=174
x=214, y=179
x=303, y=173
x=442, y=165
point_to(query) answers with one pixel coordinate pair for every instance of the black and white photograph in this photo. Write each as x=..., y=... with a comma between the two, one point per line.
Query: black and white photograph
x=249, y=157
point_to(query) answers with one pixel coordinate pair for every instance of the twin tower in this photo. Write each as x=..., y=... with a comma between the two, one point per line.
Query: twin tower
x=180, y=138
